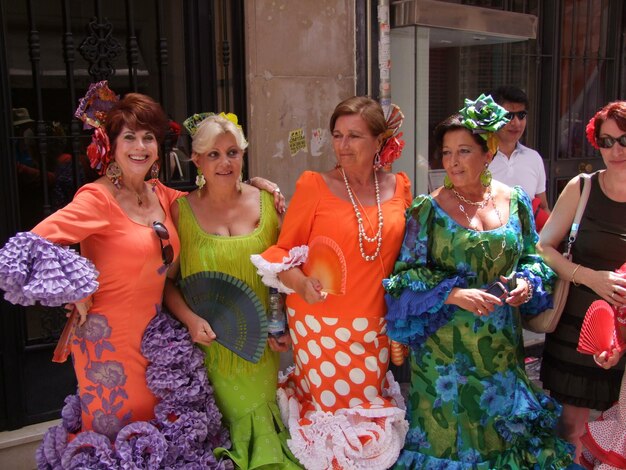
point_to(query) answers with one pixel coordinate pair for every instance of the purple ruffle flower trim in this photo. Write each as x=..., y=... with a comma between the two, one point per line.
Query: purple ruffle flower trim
x=187, y=425
x=140, y=445
x=33, y=269
x=89, y=450
x=71, y=413
x=49, y=453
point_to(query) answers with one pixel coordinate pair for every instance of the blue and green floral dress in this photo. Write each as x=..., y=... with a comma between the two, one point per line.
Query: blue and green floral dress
x=471, y=405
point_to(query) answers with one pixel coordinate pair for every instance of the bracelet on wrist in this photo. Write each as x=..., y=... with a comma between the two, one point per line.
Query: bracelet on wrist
x=572, y=280
x=529, y=294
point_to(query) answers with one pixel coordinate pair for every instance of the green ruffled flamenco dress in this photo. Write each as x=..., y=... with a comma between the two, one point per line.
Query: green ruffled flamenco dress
x=471, y=404
x=244, y=392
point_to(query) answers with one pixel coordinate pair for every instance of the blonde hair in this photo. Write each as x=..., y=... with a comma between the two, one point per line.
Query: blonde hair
x=210, y=129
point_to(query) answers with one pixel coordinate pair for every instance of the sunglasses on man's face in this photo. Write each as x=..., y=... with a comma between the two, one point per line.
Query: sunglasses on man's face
x=606, y=141
x=167, y=252
x=521, y=115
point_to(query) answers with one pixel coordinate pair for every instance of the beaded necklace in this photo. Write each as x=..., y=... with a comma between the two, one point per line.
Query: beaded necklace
x=481, y=205
x=378, y=238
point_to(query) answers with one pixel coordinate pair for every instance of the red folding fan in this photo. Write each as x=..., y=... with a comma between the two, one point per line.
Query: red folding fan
x=598, y=332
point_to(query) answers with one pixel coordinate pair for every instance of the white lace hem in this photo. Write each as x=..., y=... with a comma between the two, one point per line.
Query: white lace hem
x=269, y=271
x=351, y=438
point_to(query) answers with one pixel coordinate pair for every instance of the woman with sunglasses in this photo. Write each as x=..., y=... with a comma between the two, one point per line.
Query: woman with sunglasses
x=573, y=378
x=142, y=398
x=220, y=225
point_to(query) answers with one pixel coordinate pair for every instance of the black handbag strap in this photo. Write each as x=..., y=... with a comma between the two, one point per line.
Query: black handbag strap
x=582, y=203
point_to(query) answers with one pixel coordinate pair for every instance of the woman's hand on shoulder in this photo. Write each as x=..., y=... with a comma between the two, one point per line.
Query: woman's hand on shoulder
x=476, y=301
x=271, y=187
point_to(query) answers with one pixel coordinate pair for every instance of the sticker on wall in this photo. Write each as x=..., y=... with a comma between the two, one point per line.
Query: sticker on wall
x=297, y=141
x=319, y=137
x=280, y=149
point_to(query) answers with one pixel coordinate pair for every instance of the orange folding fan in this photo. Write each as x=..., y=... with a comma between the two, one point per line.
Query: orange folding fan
x=327, y=264
x=598, y=332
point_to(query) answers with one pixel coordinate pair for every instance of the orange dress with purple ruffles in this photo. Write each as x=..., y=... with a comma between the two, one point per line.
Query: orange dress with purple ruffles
x=342, y=408
x=109, y=366
x=143, y=397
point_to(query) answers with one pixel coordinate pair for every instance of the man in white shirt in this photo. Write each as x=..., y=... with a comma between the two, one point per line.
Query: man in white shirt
x=515, y=164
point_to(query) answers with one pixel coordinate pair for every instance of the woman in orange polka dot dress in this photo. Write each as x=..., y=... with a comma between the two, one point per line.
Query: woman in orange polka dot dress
x=342, y=408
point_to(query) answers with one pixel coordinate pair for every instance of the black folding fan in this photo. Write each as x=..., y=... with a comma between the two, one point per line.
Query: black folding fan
x=233, y=310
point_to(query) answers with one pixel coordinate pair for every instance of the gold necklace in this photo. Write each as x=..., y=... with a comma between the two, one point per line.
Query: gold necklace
x=378, y=238
x=473, y=227
x=480, y=204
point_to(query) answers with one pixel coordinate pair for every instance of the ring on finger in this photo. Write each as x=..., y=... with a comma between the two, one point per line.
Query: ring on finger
x=276, y=190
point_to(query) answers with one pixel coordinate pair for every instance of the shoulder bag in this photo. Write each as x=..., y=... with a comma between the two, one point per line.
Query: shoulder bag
x=546, y=321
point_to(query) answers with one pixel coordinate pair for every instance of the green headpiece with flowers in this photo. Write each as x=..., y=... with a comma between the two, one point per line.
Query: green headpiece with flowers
x=192, y=122
x=484, y=117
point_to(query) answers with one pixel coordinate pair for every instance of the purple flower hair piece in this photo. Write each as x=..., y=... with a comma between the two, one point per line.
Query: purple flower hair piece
x=94, y=106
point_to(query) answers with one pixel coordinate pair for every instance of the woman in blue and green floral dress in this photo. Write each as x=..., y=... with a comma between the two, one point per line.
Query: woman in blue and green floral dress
x=471, y=405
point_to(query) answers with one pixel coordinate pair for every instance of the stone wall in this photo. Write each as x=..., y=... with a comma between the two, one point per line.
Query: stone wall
x=300, y=64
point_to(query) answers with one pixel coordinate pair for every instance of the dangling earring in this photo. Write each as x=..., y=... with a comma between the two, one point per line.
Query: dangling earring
x=114, y=173
x=200, y=181
x=377, y=164
x=154, y=175
x=486, y=177
x=447, y=182
x=239, y=182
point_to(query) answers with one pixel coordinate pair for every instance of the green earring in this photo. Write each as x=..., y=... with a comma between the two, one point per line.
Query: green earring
x=486, y=177
x=447, y=183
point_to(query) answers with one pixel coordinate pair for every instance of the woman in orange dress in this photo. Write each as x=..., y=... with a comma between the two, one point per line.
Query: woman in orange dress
x=143, y=398
x=342, y=408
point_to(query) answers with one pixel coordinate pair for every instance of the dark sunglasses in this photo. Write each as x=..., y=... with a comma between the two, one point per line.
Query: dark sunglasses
x=606, y=142
x=167, y=252
x=521, y=115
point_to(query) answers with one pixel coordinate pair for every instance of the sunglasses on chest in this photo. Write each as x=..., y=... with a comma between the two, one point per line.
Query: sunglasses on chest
x=167, y=252
x=606, y=141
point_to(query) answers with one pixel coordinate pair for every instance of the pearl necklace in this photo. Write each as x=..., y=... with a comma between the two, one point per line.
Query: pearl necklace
x=378, y=238
x=481, y=205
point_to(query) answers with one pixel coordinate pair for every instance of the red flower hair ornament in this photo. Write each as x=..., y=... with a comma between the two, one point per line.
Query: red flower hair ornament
x=590, y=131
x=92, y=110
x=392, y=147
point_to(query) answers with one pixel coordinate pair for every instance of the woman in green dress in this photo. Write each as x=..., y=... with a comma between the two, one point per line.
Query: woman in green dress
x=220, y=225
x=470, y=404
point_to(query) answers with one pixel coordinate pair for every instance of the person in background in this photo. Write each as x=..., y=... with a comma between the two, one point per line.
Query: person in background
x=126, y=352
x=342, y=407
x=470, y=402
x=600, y=249
x=220, y=225
x=515, y=164
x=604, y=443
